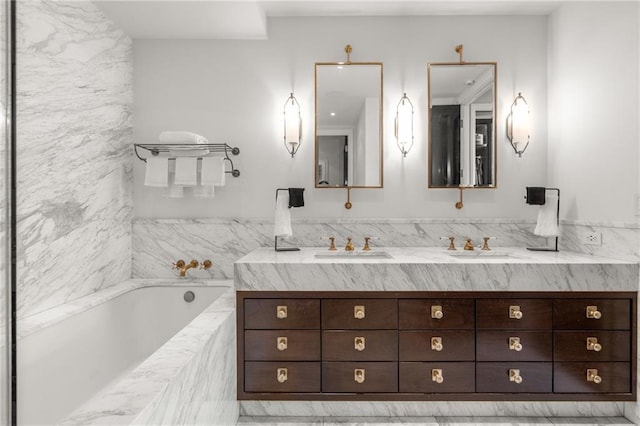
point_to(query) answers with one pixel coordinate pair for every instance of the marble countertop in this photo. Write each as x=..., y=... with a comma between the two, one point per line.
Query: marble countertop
x=432, y=268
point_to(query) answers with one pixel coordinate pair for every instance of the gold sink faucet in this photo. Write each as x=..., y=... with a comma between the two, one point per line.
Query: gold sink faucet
x=349, y=246
x=468, y=245
x=180, y=264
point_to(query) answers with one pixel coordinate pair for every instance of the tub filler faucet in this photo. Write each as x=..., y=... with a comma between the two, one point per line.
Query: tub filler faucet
x=180, y=264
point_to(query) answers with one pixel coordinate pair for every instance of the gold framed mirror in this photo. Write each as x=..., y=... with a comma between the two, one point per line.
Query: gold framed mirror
x=348, y=124
x=461, y=119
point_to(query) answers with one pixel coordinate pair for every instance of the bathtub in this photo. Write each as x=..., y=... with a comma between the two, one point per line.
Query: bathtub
x=70, y=358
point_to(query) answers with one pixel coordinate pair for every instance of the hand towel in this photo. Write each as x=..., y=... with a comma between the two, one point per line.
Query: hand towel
x=157, y=172
x=283, y=216
x=547, y=225
x=212, y=171
x=181, y=137
x=296, y=197
x=174, y=191
x=186, y=171
x=203, y=191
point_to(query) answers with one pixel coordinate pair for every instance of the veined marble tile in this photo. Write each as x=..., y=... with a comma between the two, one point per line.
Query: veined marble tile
x=430, y=408
x=74, y=166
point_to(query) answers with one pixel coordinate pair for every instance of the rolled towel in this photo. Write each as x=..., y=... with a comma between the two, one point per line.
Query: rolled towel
x=171, y=136
x=186, y=171
x=282, y=226
x=212, y=172
x=157, y=172
x=547, y=225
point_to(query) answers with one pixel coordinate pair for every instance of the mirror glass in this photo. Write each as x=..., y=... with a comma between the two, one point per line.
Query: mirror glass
x=462, y=125
x=348, y=125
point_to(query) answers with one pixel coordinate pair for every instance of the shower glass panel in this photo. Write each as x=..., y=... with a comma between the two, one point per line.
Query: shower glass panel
x=5, y=200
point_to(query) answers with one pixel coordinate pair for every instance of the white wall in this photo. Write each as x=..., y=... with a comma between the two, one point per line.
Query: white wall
x=234, y=91
x=593, y=109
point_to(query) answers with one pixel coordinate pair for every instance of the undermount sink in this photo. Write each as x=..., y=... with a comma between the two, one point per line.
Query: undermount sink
x=353, y=255
x=481, y=254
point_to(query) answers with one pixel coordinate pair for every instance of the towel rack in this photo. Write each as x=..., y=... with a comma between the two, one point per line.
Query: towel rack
x=157, y=148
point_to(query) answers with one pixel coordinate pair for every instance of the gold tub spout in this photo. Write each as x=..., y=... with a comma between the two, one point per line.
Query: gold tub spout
x=180, y=264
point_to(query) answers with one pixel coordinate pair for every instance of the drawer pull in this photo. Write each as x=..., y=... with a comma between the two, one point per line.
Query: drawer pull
x=436, y=312
x=592, y=376
x=282, y=375
x=358, y=312
x=515, y=312
x=593, y=345
x=514, y=344
x=282, y=343
x=436, y=375
x=593, y=312
x=358, y=344
x=436, y=344
x=358, y=375
x=514, y=375
x=281, y=312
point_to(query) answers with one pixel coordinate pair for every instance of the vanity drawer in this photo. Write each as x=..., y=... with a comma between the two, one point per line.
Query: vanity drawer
x=281, y=314
x=536, y=314
x=345, y=314
x=501, y=377
x=571, y=314
x=422, y=377
x=581, y=345
x=514, y=345
x=422, y=314
x=267, y=377
x=456, y=345
x=281, y=345
x=360, y=345
x=572, y=377
x=374, y=376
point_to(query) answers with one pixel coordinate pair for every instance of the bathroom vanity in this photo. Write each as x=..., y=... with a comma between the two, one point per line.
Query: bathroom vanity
x=427, y=324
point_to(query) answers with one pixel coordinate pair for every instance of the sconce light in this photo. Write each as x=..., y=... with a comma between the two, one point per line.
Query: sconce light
x=404, y=125
x=519, y=125
x=292, y=125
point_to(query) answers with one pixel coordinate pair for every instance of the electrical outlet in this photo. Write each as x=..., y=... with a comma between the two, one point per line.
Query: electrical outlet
x=592, y=238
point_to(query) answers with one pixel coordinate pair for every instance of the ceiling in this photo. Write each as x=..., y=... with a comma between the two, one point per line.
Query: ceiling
x=247, y=19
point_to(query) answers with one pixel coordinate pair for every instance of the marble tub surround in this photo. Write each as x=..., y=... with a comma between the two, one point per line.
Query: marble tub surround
x=189, y=380
x=74, y=161
x=434, y=269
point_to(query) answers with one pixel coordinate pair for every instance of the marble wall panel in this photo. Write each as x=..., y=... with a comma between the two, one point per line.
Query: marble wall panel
x=74, y=137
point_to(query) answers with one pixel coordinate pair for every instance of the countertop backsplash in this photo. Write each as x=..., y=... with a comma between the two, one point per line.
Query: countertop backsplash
x=157, y=243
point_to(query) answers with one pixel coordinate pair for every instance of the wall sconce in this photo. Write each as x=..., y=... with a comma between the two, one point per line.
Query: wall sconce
x=519, y=125
x=404, y=125
x=292, y=125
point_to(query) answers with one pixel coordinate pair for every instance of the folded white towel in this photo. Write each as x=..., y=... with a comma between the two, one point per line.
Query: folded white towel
x=189, y=152
x=283, y=216
x=157, y=172
x=174, y=191
x=181, y=137
x=547, y=225
x=212, y=172
x=186, y=171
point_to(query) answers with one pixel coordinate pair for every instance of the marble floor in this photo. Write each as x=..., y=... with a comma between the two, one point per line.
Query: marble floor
x=430, y=421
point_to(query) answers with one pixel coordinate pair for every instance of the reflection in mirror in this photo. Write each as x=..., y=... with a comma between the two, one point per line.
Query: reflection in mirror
x=462, y=147
x=348, y=125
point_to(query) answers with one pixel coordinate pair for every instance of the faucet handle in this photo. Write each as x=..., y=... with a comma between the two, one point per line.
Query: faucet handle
x=332, y=247
x=452, y=245
x=178, y=264
x=206, y=264
x=366, y=242
x=485, y=246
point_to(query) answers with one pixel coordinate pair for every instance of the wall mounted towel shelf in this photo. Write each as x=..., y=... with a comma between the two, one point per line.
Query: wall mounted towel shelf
x=212, y=148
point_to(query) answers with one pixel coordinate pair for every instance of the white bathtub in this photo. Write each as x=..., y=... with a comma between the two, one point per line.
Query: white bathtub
x=65, y=364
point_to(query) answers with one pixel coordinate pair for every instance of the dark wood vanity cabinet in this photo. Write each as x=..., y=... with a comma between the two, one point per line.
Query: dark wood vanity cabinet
x=437, y=346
